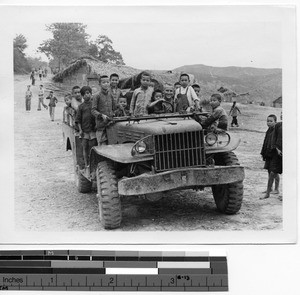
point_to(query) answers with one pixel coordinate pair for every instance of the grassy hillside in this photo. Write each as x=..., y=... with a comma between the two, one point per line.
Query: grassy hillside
x=263, y=85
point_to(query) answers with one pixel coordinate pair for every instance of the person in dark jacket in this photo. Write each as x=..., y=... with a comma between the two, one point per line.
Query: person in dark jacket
x=103, y=108
x=267, y=153
x=276, y=162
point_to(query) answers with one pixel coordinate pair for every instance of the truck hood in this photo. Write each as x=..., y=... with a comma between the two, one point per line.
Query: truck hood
x=159, y=126
x=129, y=131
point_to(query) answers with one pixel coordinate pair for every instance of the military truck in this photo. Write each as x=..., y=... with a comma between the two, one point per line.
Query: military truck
x=151, y=155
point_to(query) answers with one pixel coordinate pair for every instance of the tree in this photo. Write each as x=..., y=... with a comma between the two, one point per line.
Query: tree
x=21, y=65
x=20, y=43
x=36, y=62
x=69, y=42
x=103, y=50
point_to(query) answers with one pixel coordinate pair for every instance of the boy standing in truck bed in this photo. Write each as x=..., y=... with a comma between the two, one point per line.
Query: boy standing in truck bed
x=185, y=97
x=103, y=107
x=141, y=96
x=115, y=91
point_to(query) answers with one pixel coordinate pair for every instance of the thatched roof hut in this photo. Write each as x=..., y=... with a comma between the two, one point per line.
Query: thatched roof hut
x=88, y=65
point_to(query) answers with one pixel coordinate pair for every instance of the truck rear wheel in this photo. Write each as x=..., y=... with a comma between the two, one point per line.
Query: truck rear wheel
x=228, y=197
x=108, y=197
x=83, y=184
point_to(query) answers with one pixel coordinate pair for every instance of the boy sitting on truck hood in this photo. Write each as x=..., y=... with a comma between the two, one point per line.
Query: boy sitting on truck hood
x=218, y=118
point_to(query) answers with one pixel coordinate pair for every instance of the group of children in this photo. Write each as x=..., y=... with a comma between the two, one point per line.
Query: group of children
x=92, y=116
x=52, y=100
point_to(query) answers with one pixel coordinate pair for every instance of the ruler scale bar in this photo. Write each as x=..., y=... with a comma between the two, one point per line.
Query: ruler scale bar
x=84, y=270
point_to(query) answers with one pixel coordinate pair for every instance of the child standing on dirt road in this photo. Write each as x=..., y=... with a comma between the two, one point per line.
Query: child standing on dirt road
x=28, y=96
x=52, y=104
x=32, y=78
x=234, y=113
x=141, y=96
x=276, y=162
x=103, y=107
x=267, y=154
x=41, y=98
x=185, y=97
x=86, y=124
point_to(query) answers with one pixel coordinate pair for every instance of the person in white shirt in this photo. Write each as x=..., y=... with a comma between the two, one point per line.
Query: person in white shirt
x=186, y=98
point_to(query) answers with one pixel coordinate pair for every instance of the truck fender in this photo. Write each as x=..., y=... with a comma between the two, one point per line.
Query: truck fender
x=120, y=153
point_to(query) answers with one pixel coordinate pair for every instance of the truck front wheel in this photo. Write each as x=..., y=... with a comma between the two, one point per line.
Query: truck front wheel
x=108, y=197
x=228, y=197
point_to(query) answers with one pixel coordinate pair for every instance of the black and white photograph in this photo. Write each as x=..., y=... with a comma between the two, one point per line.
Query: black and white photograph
x=153, y=121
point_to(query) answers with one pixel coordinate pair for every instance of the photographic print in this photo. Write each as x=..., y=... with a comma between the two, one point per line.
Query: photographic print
x=153, y=124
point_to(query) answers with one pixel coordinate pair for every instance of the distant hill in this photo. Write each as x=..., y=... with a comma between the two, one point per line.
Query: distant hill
x=263, y=85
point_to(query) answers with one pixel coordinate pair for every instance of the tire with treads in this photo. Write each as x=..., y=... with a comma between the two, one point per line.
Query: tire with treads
x=228, y=197
x=82, y=183
x=108, y=197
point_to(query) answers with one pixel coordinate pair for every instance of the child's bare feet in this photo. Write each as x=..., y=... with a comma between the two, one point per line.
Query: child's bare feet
x=275, y=192
x=266, y=196
x=264, y=192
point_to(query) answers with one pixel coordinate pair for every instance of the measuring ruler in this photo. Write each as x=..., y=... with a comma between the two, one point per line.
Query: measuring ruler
x=80, y=270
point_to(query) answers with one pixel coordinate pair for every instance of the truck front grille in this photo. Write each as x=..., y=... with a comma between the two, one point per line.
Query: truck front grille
x=179, y=150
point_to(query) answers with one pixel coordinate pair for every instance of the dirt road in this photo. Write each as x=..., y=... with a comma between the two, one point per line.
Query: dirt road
x=46, y=198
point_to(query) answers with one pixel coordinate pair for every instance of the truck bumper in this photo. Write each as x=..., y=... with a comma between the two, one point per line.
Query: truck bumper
x=179, y=179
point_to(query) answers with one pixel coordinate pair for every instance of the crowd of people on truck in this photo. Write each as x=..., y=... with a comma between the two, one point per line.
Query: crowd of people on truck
x=90, y=114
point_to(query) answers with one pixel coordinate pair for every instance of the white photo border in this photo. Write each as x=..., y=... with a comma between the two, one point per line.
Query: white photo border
x=283, y=14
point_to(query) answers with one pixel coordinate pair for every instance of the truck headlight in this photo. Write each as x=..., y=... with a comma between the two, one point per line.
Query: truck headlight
x=211, y=138
x=141, y=147
x=223, y=139
x=219, y=139
x=144, y=145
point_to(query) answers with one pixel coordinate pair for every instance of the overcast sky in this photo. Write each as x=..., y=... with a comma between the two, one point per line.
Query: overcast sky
x=176, y=41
